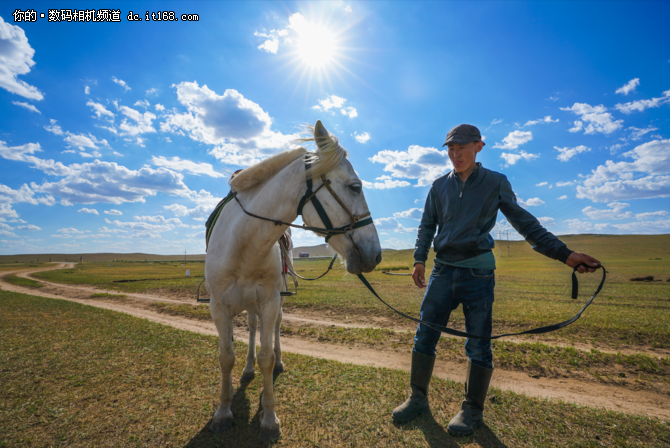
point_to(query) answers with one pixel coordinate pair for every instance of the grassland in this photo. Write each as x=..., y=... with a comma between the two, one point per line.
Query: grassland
x=4, y=267
x=531, y=290
x=82, y=376
x=21, y=281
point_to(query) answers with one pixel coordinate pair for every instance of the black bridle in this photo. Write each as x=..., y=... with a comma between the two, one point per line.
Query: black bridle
x=357, y=221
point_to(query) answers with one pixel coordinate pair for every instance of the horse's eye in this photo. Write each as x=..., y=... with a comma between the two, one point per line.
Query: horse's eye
x=356, y=188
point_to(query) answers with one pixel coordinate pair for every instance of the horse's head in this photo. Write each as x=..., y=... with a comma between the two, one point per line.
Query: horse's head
x=344, y=204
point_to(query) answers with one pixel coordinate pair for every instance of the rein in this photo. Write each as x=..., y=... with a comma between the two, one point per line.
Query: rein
x=546, y=329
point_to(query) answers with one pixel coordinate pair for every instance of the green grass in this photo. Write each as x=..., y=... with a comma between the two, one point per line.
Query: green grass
x=82, y=376
x=13, y=266
x=20, y=281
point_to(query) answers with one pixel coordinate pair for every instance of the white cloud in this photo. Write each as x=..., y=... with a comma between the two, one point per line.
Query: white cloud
x=270, y=45
x=512, y=159
x=424, y=164
x=239, y=127
x=546, y=119
x=71, y=230
x=29, y=228
x=532, y=202
x=388, y=224
x=568, y=153
x=646, y=227
x=643, y=216
x=546, y=221
x=159, y=107
x=616, y=147
x=560, y=198
x=87, y=90
x=335, y=102
x=647, y=176
x=100, y=110
x=494, y=122
x=81, y=141
x=16, y=58
x=565, y=184
x=578, y=126
x=514, y=139
x=577, y=226
x=596, y=118
x=413, y=213
x=122, y=83
x=615, y=211
x=638, y=133
x=151, y=91
x=628, y=87
x=90, y=211
x=641, y=105
x=542, y=184
x=205, y=201
x=113, y=212
x=97, y=181
x=362, y=138
x=177, y=164
x=142, y=103
x=385, y=184
x=30, y=107
x=142, y=125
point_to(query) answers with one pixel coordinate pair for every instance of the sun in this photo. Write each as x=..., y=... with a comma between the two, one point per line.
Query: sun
x=316, y=46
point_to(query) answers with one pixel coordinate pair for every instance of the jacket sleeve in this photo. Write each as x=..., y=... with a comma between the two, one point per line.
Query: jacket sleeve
x=529, y=227
x=427, y=228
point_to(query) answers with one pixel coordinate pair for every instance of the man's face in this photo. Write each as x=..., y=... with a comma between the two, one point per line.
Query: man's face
x=463, y=156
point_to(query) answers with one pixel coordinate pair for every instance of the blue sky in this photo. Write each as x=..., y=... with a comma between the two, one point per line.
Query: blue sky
x=120, y=136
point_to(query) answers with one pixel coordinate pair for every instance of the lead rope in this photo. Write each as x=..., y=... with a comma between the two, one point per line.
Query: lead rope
x=547, y=329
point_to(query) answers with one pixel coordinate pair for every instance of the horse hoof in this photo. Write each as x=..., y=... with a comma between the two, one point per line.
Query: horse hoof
x=247, y=377
x=277, y=370
x=270, y=435
x=221, y=425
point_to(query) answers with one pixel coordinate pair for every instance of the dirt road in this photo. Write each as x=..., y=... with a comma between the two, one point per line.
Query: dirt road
x=587, y=393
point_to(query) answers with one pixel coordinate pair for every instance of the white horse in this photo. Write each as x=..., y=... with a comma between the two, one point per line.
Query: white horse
x=243, y=265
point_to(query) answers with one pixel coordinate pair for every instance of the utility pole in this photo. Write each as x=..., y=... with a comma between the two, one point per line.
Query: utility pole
x=184, y=254
x=508, y=243
x=500, y=239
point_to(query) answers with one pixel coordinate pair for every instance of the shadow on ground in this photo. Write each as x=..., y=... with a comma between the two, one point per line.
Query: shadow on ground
x=437, y=436
x=243, y=434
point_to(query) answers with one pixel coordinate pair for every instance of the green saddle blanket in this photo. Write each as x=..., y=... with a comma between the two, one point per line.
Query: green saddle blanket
x=209, y=225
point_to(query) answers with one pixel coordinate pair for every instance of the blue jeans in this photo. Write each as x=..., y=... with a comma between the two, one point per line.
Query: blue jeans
x=448, y=287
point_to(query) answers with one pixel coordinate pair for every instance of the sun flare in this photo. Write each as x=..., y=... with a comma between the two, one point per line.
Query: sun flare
x=316, y=47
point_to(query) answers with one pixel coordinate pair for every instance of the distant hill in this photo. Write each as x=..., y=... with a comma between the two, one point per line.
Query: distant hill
x=619, y=247
x=322, y=250
x=96, y=257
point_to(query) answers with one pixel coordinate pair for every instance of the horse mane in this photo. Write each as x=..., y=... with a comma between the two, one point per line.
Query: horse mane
x=264, y=170
x=328, y=155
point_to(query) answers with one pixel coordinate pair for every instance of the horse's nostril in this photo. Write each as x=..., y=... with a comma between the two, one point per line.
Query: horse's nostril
x=378, y=259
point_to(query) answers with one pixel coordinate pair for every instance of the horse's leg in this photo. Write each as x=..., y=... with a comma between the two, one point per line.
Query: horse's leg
x=279, y=365
x=270, y=429
x=223, y=417
x=248, y=372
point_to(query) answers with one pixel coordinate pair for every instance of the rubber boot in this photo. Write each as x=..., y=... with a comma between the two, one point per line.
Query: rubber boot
x=422, y=369
x=472, y=409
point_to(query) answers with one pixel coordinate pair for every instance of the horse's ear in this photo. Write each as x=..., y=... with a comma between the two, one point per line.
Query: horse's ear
x=321, y=134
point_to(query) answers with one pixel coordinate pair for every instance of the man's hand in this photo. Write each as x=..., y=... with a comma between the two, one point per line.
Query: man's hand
x=419, y=276
x=577, y=258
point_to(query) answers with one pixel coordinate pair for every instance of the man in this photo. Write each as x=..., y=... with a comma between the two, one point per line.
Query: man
x=464, y=205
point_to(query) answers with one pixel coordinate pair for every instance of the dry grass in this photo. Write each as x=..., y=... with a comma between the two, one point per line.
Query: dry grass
x=74, y=375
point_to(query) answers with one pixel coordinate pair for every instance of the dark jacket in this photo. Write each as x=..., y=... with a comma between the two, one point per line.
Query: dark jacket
x=466, y=217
